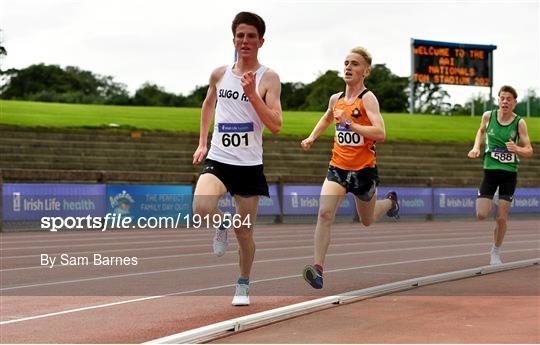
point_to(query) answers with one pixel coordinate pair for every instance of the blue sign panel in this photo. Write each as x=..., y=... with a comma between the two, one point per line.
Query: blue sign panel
x=411, y=200
x=455, y=200
x=32, y=201
x=526, y=200
x=267, y=206
x=304, y=200
x=149, y=201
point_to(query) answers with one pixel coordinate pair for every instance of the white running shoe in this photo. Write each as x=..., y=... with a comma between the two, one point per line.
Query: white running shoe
x=220, y=242
x=241, y=296
x=495, y=259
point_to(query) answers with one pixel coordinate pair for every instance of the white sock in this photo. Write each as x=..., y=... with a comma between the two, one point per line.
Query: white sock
x=495, y=249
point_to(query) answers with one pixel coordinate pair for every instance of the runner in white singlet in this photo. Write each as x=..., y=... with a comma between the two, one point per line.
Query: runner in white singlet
x=248, y=100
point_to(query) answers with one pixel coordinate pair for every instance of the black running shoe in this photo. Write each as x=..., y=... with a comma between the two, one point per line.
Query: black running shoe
x=394, y=211
x=313, y=276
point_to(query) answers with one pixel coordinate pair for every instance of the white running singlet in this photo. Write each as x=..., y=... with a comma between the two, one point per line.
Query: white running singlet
x=237, y=137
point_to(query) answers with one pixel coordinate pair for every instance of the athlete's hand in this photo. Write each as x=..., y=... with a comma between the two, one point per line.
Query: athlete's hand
x=339, y=116
x=249, y=83
x=199, y=154
x=474, y=153
x=306, y=143
x=511, y=146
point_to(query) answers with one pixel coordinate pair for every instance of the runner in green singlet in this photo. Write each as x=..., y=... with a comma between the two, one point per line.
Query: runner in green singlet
x=503, y=130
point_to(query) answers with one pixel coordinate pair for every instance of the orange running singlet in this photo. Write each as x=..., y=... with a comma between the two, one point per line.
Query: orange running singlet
x=351, y=150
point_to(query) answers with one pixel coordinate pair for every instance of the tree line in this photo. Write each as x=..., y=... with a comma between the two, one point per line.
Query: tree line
x=52, y=83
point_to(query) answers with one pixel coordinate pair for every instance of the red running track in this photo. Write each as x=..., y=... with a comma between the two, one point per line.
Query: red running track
x=178, y=285
x=502, y=308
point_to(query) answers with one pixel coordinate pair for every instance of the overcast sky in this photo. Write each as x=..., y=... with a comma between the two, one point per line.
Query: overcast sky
x=176, y=44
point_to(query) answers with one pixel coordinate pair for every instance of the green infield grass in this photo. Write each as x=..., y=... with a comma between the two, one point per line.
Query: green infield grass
x=300, y=124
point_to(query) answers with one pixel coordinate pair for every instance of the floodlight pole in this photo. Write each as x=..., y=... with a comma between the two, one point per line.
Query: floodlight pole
x=411, y=81
x=529, y=95
x=491, y=97
x=491, y=79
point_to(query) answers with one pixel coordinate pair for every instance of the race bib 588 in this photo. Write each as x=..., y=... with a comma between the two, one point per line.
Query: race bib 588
x=503, y=155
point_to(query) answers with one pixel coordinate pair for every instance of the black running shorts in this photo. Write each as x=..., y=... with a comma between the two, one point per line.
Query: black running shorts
x=361, y=183
x=239, y=180
x=505, y=180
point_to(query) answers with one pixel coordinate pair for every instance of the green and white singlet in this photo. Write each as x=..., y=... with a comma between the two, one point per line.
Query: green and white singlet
x=497, y=155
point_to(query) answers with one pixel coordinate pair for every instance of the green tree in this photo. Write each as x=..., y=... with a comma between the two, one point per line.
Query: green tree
x=151, y=94
x=197, y=96
x=431, y=99
x=319, y=91
x=293, y=95
x=51, y=83
x=530, y=100
x=113, y=92
x=3, y=51
x=477, y=105
x=34, y=79
x=389, y=88
x=4, y=75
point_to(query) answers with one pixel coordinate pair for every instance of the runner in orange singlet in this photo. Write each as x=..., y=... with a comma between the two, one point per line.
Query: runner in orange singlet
x=353, y=168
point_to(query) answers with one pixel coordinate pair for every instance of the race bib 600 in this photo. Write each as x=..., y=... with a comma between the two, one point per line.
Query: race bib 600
x=346, y=137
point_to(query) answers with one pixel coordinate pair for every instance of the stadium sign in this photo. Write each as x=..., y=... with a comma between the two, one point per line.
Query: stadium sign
x=452, y=63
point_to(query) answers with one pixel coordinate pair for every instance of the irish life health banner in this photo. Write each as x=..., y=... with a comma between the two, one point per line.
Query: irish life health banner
x=32, y=201
x=526, y=200
x=304, y=200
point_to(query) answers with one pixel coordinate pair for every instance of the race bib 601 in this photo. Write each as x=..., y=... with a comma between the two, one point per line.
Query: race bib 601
x=236, y=135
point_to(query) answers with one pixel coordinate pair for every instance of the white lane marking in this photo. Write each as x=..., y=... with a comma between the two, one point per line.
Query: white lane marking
x=389, y=226
x=200, y=235
x=394, y=236
x=364, y=242
x=366, y=234
x=235, y=263
x=98, y=306
x=136, y=234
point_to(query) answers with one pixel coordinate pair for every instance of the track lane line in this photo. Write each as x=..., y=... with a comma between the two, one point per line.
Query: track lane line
x=115, y=276
x=172, y=256
x=208, y=244
x=100, y=306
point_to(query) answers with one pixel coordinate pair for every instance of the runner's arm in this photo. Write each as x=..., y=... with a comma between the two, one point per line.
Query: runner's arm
x=475, y=151
x=376, y=131
x=525, y=150
x=323, y=123
x=207, y=112
x=269, y=109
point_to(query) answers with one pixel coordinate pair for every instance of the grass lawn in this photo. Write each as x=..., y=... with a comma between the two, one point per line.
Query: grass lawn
x=398, y=126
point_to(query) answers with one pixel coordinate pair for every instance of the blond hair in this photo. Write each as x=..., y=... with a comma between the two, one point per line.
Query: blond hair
x=363, y=53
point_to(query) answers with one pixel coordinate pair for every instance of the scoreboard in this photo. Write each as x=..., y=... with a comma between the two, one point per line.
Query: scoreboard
x=452, y=63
